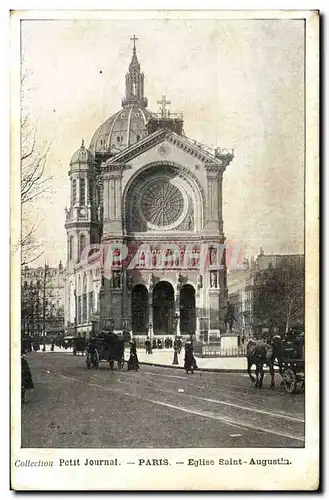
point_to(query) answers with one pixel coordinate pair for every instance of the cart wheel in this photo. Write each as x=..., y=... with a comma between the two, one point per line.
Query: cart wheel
x=289, y=379
x=121, y=364
x=96, y=359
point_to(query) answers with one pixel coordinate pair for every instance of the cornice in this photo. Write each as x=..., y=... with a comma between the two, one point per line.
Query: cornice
x=158, y=137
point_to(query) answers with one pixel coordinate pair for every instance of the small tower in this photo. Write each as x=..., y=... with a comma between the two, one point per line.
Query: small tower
x=81, y=224
x=134, y=82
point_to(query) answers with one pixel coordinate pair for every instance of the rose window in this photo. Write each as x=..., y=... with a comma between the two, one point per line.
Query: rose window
x=162, y=203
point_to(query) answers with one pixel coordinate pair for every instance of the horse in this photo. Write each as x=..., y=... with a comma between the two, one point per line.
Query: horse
x=260, y=353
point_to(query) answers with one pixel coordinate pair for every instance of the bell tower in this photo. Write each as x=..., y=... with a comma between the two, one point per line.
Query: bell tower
x=82, y=227
x=134, y=82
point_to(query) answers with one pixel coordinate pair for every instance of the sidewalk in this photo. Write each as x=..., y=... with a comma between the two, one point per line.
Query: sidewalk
x=164, y=357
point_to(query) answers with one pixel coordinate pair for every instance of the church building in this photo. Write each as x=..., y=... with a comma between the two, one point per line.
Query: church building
x=144, y=226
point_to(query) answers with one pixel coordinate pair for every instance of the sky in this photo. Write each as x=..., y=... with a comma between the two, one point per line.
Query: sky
x=238, y=83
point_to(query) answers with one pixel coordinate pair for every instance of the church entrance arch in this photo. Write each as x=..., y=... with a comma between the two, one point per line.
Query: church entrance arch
x=187, y=310
x=163, y=308
x=139, y=309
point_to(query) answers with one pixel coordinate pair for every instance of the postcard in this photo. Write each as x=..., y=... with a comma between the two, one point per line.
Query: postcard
x=164, y=264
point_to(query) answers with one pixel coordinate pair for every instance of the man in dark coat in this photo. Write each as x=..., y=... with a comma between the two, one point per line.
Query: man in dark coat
x=148, y=346
x=189, y=361
x=26, y=377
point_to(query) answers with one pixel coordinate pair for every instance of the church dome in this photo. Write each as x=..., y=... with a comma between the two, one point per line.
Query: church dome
x=122, y=129
x=128, y=125
x=82, y=155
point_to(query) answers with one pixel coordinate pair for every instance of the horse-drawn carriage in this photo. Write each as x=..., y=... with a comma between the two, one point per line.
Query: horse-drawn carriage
x=106, y=346
x=287, y=355
x=79, y=345
x=291, y=363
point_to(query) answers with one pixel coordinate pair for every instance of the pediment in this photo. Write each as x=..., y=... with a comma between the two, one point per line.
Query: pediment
x=168, y=139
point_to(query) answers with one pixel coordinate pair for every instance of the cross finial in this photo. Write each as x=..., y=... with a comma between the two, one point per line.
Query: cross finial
x=134, y=38
x=163, y=103
x=82, y=143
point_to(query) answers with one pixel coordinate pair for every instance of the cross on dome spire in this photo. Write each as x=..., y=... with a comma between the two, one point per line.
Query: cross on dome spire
x=134, y=38
x=163, y=103
x=134, y=81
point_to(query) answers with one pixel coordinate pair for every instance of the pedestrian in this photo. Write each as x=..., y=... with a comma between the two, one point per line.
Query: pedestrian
x=148, y=346
x=133, y=363
x=26, y=377
x=175, y=360
x=189, y=358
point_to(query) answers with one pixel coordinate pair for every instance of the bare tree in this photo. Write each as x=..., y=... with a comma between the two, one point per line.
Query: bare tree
x=34, y=180
x=279, y=294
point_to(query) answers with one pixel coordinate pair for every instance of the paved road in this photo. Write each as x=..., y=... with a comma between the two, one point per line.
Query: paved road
x=72, y=406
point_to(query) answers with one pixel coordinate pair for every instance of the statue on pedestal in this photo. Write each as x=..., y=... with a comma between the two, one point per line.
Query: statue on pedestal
x=229, y=317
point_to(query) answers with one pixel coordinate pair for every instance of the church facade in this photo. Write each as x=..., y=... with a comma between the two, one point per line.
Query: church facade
x=145, y=239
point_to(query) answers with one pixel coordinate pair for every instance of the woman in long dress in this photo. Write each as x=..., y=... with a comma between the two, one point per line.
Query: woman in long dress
x=133, y=360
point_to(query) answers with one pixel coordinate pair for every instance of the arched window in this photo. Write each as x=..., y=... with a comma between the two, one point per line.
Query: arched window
x=82, y=191
x=74, y=192
x=71, y=242
x=82, y=243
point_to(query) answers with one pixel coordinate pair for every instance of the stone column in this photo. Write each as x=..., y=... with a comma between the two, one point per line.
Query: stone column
x=150, y=307
x=112, y=197
x=87, y=312
x=78, y=191
x=213, y=173
x=177, y=304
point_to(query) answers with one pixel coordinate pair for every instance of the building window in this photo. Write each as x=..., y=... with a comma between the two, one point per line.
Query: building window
x=84, y=308
x=91, y=304
x=82, y=191
x=138, y=137
x=74, y=192
x=71, y=241
x=82, y=243
x=79, y=310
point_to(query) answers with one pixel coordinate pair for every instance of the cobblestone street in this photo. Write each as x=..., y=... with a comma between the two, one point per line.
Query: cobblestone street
x=157, y=407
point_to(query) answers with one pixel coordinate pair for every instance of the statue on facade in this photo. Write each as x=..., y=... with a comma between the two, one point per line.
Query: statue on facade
x=176, y=257
x=178, y=281
x=117, y=279
x=190, y=223
x=200, y=281
x=154, y=258
x=182, y=256
x=213, y=256
x=151, y=280
x=141, y=260
x=213, y=280
x=129, y=280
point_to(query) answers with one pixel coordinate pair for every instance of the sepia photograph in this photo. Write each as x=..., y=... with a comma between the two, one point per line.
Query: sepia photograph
x=164, y=197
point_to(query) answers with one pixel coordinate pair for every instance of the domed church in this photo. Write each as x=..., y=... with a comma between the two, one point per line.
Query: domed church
x=144, y=225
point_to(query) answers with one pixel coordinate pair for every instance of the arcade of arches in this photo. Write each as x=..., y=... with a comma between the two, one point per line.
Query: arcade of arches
x=159, y=307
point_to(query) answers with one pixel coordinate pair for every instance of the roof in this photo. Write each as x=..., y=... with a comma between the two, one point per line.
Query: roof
x=82, y=155
x=120, y=130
